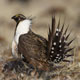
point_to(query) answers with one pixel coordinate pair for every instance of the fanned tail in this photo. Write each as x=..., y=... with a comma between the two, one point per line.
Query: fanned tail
x=58, y=46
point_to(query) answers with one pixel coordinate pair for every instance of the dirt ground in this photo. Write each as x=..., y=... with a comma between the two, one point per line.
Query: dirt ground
x=41, y=11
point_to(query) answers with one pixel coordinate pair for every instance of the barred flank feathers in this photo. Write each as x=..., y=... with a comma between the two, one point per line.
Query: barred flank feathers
x=57, y=44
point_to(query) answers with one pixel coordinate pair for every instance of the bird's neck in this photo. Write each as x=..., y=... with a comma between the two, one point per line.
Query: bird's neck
x=22, y=28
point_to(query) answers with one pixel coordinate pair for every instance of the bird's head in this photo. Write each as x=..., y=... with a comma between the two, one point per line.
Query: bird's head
x=19, y=17
x=23, y=25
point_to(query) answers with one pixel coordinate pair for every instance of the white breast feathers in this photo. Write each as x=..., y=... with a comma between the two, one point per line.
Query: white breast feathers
x=22, y=28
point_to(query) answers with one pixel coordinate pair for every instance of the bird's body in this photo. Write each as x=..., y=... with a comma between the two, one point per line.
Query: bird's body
x=29, y=44
x=38, y=51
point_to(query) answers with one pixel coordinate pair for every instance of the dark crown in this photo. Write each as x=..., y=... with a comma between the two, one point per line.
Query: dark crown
x=18, y=17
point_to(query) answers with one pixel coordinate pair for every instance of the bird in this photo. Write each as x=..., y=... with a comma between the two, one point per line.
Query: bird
x=35, y=49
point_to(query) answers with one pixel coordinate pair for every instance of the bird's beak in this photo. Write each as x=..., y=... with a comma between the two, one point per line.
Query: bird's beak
x=13, y=17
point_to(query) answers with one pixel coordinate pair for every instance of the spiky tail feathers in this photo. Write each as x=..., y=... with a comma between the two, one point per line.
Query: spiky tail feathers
x=58, y=45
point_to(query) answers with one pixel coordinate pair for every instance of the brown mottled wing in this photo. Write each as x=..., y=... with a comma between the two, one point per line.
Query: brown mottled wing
x=32, y=46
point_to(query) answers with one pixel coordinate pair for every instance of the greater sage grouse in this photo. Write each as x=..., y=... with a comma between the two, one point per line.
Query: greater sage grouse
x=35, y=49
